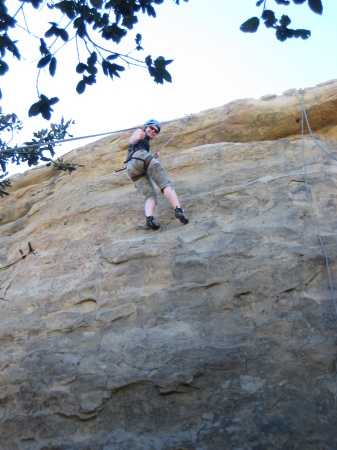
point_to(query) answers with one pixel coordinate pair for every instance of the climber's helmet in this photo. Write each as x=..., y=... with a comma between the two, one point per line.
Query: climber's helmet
x=153, y=122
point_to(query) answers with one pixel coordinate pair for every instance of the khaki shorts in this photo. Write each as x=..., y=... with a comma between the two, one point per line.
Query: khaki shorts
x=155, y=172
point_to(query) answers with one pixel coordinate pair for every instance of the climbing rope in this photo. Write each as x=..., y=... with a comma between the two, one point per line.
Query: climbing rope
x=41, y=144
x=304, y=114
x=188, y=118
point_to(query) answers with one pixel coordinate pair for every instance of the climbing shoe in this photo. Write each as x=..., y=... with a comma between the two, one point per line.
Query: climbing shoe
x=151, y=223
x=180, y=214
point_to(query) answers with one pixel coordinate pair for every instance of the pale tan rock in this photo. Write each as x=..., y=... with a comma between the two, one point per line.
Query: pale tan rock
x=217, y=334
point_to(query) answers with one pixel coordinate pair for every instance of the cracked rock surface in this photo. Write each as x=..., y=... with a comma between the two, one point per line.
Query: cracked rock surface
x=218, y=334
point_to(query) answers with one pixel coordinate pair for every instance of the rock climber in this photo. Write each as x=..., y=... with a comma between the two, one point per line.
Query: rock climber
x=143, y=167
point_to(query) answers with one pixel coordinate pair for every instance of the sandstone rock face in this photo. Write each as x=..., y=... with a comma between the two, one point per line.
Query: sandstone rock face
x=218, y=334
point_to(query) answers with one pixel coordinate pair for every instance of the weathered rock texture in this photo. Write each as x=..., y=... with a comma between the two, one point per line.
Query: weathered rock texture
x=220, y=334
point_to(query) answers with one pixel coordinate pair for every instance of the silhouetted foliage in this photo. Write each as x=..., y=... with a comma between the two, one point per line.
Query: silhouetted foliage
x=281, y=26
x=100, y=25
x=91, y=22
x=33, y=151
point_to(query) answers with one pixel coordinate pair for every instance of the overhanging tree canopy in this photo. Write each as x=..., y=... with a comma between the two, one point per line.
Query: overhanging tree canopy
x=96, y=25
x=281, y=26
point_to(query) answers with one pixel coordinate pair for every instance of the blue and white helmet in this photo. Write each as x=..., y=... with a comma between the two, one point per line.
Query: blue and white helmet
x=153, y=122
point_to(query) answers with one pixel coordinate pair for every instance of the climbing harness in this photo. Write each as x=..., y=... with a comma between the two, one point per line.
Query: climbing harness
x=146, y=162
x=188, y=117
x=304, y=114
x=132, y=150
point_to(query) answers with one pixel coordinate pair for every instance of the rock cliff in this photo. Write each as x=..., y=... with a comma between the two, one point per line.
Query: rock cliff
x=218, y=334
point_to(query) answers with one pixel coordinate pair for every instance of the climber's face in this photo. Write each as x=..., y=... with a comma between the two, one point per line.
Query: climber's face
x=152, y=131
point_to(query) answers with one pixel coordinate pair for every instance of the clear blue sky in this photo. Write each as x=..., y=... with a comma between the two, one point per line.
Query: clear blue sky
x=214, y=63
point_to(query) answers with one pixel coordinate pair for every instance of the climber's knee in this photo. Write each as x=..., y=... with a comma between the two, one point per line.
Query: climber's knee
x=152, y=196
x=169, y=186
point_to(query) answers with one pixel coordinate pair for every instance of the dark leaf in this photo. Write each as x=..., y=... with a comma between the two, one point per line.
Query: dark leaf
x=43, y=107
x=7, y=44
x=304, y=34
x=81, y=67
x=3, y=67
x=46, y=114
x=105, y=67
x=92, y=70
x=13, y=48
x=97, y=3
x=89, y=80
x=316, y=6
x=269, y=18
x=7, y=20
x=111, y=69
x=281, y=34
x=159, y=75
x=3, y=166
x=299, y=2
x=151, y=11
x=113, y=56
x=259, y=3
x=129, y=21
x=92, y=59
x=156, y=74
x=166, y=76
x=68, y=8
x=43, y=48
x=285, y=21
x=34, y=110
x=114, y=33
x=44, y=61
x=52, y=30
x=36, y=3
x=77, y=22
x=82, y=30
x=52, y=66
x=161, y=63
x=63, y=35
x=80, y=88
x=148, y=61
x=52, y=101
x=100, y=21
x=251, y=25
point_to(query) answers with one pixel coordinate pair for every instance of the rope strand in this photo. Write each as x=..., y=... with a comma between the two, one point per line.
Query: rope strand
x=76, y=139
x=309, y=197
x=187, y=119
